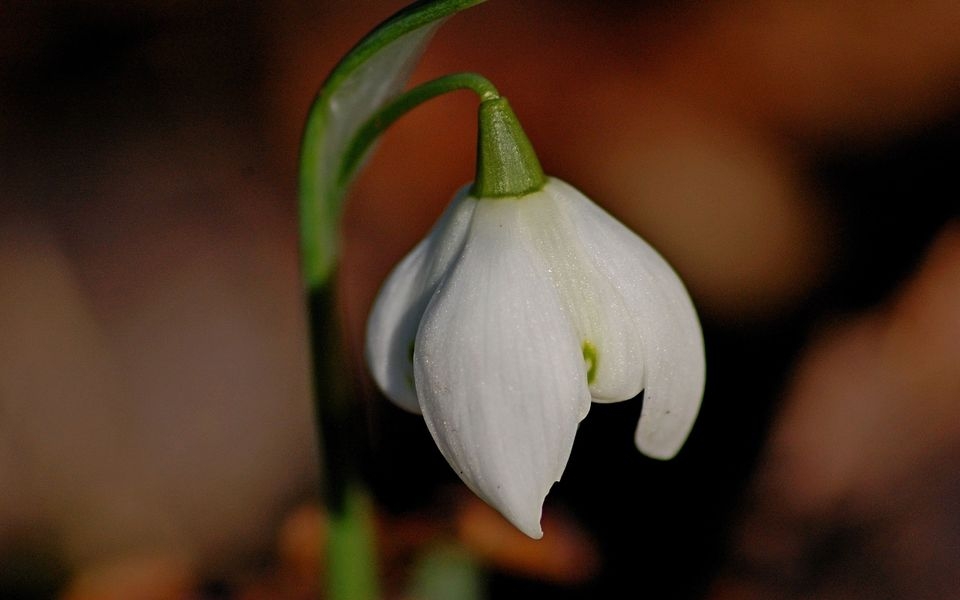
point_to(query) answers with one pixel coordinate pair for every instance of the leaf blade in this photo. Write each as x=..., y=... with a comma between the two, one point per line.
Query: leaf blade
x=367, y=78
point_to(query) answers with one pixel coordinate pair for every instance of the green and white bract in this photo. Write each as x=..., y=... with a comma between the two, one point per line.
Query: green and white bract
x=512, y=316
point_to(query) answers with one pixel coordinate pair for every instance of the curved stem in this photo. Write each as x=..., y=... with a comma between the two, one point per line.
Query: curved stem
x=404, y=103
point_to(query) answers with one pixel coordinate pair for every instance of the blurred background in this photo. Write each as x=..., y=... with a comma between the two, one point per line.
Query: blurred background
x=796, y=162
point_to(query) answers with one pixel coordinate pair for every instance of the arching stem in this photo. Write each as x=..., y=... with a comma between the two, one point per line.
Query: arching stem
x=403, y=104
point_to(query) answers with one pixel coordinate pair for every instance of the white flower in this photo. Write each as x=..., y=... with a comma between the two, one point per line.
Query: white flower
x=511, y=317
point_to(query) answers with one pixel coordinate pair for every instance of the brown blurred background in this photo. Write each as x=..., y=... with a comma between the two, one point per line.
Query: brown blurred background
x=797, y=162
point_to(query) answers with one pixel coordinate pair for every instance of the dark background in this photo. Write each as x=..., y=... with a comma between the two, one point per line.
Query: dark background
x=796, y=163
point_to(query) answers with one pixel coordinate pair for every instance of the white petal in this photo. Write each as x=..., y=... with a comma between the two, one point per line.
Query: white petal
x=499, y=370
x=673, y=355
x=611, y=346
x=397, y=310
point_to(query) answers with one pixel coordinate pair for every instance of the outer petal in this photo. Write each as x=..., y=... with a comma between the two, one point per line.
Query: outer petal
x=396, y=313
x=499, y=370
x=673, y=352
x=611, y=346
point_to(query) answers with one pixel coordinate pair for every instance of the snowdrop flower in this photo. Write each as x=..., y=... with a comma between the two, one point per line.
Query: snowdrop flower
x=524, y=304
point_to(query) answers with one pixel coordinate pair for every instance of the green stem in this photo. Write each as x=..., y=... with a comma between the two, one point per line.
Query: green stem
x=351, y=546
x=404, y=103
x=351, y=573
x=351, y=568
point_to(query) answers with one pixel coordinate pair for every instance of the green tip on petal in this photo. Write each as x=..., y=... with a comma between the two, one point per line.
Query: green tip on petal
x=590, y=358
x=507, y=166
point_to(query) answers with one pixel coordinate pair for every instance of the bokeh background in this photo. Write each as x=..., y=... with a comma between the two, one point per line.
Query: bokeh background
x=797, y=162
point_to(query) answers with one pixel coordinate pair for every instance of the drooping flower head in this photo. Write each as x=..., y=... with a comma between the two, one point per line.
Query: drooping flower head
x=524, y=304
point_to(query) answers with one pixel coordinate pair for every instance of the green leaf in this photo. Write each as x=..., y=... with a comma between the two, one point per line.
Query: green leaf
x=374, y=72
